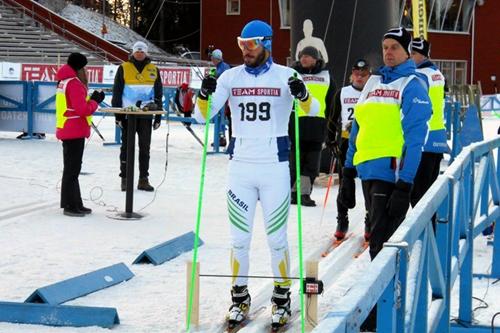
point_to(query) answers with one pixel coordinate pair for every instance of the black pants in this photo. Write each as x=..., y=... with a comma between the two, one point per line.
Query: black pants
x=427, y=172
x=143, y=131
x=344, y=145
x=377, y=194
x=70, y=188
x=309, y=164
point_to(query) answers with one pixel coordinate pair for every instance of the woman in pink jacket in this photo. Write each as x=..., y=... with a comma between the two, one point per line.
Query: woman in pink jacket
x=73, y=111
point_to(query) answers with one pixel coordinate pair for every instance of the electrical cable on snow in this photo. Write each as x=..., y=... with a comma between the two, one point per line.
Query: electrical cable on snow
x=165, y=169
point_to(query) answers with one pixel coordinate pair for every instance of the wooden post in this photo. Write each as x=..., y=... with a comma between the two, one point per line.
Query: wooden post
x=195, y=311
x=311, y=300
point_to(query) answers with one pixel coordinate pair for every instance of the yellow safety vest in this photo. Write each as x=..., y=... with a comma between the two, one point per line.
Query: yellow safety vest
x=378, y=114
x=61, y=105
x=138, y=86
x=436, y=94
x=318, y=85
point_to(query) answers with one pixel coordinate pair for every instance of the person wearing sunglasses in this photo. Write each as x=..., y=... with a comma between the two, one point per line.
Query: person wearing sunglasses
x=261, y=96
x=385, y=144
x=312, y=129
x=339, y=125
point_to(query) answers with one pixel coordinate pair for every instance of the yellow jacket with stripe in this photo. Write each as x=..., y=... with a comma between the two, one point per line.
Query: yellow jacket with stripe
x=320, y=85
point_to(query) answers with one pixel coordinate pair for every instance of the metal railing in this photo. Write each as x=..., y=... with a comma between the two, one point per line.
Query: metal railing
x=465, y=200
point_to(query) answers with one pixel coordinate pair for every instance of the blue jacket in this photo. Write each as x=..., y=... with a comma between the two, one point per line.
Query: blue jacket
x=221, y=68
x=415, y=112
x=436, y=140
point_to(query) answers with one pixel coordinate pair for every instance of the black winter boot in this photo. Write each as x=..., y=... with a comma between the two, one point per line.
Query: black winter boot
x=85, y=210
x=293, y=198
x=342, y=227
x=144, y=185
x=124, y=184
x=307, y=201
x=73, y=211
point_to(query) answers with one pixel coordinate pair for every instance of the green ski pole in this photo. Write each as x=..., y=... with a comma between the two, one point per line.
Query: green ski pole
x=299, y=208
x=200, y=202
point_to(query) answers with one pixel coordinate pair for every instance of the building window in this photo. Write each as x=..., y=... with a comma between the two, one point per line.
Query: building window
x=285, y=13
x=454, y=71
x=442, y=15
x=232, y=7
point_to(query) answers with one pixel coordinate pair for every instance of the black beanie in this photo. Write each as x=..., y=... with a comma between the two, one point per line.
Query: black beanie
x=77, y=61
x=402, y=36
x=361, y=64
x=310, y=51
x=421, y=46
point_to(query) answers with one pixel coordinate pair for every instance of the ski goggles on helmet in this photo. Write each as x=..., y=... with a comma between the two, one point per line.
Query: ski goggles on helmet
x=251, y=43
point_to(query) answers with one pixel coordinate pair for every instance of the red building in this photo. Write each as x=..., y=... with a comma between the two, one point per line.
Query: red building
x=465, y=34
x=222, y=21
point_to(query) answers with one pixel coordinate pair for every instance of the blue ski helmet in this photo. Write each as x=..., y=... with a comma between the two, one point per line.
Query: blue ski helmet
x=257, y=28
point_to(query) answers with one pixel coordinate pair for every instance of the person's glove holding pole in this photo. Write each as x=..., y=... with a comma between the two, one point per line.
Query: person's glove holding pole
x=208, y=86
x=334, y=147
x=298, y=88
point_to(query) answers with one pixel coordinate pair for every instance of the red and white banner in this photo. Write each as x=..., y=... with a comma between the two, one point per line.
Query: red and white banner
x=170, y=76
x=175, y=76
x=47, y=72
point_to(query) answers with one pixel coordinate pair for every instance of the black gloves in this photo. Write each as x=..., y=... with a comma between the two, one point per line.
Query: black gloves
x=157, y=122
x=97, y=96
x=399, y=202
x=334, y=147
x=298, y=88
x=151, y=106
x=208, y=85
x=347, y=191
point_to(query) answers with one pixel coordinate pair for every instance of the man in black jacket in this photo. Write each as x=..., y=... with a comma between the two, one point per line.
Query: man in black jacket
x=137, y=82
x=312, y=130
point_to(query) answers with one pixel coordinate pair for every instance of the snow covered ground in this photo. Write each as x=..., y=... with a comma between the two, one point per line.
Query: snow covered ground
x=41, y=246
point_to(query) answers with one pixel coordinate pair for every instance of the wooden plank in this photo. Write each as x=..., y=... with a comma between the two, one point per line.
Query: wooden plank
x=311, y=300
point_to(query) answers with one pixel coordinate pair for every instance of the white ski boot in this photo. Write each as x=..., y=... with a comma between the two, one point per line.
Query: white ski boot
x=281, y=308
x=241, y=306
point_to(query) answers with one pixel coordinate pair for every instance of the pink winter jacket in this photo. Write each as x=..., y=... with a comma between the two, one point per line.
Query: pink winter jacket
x=76, y=95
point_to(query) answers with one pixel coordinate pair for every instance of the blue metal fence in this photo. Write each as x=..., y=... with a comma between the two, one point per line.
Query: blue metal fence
x=465, y=199
x=33, y=99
